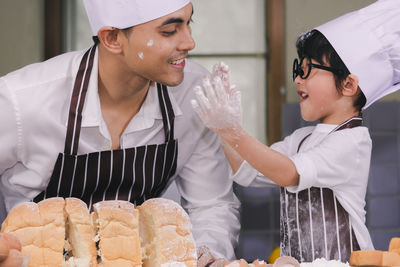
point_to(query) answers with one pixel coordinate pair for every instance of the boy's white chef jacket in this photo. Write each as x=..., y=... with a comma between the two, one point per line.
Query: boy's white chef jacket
x=34, y=104
x=336, y=160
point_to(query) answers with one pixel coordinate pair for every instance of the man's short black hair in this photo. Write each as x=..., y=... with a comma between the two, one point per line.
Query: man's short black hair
x=314, y=45
x=95, y=40
x=126, y=31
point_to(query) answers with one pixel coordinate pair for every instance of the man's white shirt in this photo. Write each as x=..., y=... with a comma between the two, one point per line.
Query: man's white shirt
x=34, y=104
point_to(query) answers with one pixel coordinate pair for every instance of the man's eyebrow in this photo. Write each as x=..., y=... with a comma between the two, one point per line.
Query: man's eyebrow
x=174, y=20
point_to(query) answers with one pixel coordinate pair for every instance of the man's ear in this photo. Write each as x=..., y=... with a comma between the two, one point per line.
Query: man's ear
x=110, y=38
x=350, y=85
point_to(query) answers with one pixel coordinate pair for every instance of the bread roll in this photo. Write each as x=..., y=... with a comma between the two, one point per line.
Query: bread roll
x=80, y=235
x=52, y=230
x=117, y=225
x=394, y=244
x=366, y=257
x=165, y=232
x=390, y=259
x=374, y=258
x=57, y=232
x=396, y=250
x=41, y=230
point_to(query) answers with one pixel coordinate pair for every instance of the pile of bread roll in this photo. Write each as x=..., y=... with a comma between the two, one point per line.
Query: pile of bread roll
x=377, y=257
x=62, y=232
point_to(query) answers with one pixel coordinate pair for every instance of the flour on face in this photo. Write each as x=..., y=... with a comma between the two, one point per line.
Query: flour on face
x=141, y=55
x=150, y=43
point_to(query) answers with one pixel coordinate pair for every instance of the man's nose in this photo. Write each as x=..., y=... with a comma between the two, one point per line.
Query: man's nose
x=187, y=42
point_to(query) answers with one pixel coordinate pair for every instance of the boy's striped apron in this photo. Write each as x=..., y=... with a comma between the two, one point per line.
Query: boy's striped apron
x=314, y=224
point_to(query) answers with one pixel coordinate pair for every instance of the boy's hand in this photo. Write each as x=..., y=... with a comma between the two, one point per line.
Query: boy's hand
x=218, y=103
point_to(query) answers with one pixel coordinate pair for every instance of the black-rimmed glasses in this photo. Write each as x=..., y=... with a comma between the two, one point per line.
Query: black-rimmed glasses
x=304, y=70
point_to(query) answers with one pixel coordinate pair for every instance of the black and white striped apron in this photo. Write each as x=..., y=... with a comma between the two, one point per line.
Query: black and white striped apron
x=133, y=174
x=314, y=224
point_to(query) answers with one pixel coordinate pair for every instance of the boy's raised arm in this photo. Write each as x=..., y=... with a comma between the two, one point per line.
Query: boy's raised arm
x=219, y=106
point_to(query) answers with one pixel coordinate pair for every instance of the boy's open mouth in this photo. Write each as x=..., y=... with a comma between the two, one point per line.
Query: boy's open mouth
x=302, y=95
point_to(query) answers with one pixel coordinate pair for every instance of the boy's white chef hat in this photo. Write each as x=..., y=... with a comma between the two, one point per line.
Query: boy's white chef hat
x=123, y=14
x=368, y=42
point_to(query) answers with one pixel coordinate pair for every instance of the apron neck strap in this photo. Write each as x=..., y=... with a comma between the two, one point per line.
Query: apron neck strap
x=167, y=111
x=350, y=123
x=77, y=101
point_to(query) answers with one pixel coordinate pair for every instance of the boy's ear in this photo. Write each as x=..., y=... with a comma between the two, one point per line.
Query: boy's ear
x=350, y=85
x=110, y=38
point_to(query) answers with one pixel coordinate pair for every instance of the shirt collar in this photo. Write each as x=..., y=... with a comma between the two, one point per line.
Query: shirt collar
x=324, y=127
x=148, y=113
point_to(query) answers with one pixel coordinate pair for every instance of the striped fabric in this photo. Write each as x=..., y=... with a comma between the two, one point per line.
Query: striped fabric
x=132, y=174
x=314, y=224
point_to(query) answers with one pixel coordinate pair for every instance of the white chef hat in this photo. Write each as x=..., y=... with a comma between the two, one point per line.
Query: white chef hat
x=127, y=13
x=368, y=42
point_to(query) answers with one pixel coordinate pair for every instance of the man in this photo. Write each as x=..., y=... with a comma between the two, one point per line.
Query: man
x=10, y=247
x=118, y=130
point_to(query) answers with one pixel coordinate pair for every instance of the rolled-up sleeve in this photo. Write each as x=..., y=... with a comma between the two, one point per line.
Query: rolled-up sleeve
x=208, y=197
x=307, y=172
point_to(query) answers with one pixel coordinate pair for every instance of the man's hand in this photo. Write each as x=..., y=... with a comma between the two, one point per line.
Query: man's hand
x=10, y=248
x=206, y=259
x=218, y=103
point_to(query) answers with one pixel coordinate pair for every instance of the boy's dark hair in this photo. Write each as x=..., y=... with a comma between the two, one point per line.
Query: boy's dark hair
x=314, y=45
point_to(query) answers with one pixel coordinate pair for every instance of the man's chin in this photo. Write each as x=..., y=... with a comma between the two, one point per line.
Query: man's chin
x=171, y=81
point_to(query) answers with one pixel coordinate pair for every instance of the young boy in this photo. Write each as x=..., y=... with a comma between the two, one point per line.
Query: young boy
x=345, y=65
